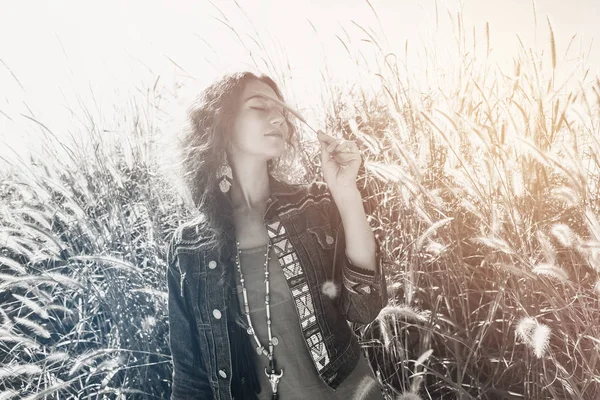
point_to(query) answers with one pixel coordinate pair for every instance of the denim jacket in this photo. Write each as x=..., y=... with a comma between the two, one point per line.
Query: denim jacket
x=305, y=228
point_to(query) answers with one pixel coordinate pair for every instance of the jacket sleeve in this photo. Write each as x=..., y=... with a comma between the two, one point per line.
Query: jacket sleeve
x=190, y=380
x=363, y=292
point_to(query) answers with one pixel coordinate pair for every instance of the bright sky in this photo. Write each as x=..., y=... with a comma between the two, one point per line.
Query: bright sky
x=100, y=53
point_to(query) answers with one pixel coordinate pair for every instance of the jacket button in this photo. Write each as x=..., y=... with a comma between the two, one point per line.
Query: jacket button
x=212, y=264
x=329, y=239
x=222, y=374
x=217, y=313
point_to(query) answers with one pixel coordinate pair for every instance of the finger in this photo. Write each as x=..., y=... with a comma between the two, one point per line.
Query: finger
x=325, y=138
x=332, y=147
x=346, y=163
x=342, y=146
x=344, y=158
x=353, y=146
x=346, y=146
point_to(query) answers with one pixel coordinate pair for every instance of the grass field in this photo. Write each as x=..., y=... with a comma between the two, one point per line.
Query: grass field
x=488, y=190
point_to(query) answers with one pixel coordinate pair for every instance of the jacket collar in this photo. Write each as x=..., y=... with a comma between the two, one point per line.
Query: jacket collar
x=279, y=188
x=278, y=191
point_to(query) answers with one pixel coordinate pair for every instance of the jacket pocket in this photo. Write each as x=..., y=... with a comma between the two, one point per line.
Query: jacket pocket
x=325, y=236
x=321, y=250
x=320, y=245
x=192, y=284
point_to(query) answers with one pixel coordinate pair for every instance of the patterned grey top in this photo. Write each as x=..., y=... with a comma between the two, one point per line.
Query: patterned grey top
x=300, y=378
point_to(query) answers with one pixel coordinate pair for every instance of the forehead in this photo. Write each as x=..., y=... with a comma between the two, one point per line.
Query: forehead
x=257, y=86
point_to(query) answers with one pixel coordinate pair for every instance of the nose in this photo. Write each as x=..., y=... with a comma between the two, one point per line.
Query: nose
x=276, y=117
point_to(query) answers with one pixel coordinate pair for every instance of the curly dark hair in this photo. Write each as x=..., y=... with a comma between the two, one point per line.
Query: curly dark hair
x=201, y=146
x=198, y=151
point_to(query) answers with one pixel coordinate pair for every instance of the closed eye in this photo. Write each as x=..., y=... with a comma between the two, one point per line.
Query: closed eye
x=264, y=109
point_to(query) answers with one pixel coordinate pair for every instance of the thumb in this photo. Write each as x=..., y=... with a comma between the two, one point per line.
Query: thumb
x=324, y=139
x=324, y=142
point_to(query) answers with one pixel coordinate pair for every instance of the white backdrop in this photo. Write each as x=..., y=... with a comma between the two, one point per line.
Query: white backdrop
x=60, y=55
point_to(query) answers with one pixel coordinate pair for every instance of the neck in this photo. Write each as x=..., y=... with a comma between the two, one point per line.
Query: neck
x=251, y=189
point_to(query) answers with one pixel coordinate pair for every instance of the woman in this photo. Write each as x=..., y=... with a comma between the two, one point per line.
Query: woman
x=262, y=284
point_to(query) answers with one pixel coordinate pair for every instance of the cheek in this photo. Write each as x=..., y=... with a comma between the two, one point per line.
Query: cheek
x=245, y=129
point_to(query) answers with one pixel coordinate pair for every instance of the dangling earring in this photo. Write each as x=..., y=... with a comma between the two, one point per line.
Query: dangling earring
x=224, y=172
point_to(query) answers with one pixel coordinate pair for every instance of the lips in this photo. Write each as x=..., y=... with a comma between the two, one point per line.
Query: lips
x=279, y=134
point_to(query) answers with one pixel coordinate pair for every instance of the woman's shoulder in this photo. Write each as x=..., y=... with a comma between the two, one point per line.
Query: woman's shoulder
x=298, y=191
x=315, y=191
x=189, y=232
x=312, y=194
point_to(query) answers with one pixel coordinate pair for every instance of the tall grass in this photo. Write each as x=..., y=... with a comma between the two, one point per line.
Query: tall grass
x=486, y=187
x=491, y=192
x=82, y=272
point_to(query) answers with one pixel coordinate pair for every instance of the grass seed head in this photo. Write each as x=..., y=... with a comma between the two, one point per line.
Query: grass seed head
x=547, y=247
x=408, y=396
x=563, y=234
x=566, y=195
x=12, y=371
x=551, y=271
x=597, y=287
x=364, y=387
x=525, y=328
x=540, y=340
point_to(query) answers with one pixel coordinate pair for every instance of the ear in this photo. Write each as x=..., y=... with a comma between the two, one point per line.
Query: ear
x=227, y=152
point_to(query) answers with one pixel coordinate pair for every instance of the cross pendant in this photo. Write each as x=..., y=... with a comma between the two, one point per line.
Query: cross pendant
x=274, y=379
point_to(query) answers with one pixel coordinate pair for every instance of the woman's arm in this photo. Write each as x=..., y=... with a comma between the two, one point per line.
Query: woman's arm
x=358, y=256
x=360, y=243
x=190, y=380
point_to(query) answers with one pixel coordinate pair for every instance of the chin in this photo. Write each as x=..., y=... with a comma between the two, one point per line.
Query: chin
x=274, y=156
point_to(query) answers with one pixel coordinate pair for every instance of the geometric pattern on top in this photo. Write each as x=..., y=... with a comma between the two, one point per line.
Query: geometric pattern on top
x=356, y=287
x=296, y=280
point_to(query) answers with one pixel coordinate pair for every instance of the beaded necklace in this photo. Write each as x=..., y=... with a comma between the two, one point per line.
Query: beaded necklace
x=260, y=349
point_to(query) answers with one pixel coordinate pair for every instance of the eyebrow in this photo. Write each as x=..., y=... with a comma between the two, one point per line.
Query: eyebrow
x=256, y=95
